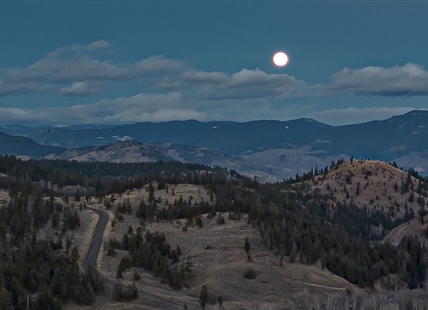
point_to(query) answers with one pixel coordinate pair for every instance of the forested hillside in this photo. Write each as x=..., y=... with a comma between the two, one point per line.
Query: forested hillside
x=39, y=264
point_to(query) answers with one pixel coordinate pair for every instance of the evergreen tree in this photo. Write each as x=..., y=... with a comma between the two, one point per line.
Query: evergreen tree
x=247, y=246
x=203, y=296
x=119, y=274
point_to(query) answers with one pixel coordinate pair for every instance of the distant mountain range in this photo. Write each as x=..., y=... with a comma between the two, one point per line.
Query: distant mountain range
x=270, y=149
x=18, y=145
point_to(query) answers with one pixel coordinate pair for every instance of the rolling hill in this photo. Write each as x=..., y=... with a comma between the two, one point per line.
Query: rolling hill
x=374, y=185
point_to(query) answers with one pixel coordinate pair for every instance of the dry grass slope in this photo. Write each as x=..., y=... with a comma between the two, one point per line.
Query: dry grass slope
x=376, y=190
x=217, y=253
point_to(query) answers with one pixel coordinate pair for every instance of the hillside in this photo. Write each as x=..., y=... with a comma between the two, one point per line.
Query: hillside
x=409, y=229
x=119, y=152
x=374, y=185
x=219, y=261
x=133, y=152
x=175, y=227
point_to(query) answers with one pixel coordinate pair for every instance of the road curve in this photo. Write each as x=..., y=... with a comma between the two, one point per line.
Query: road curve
x=150, y=300
x=92, y=255
x=97, y=239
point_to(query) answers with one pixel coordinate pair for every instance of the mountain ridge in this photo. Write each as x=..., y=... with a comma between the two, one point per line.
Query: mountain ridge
x=267, y=148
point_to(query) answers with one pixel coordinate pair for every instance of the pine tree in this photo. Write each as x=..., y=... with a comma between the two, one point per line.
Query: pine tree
x=125, y=242
x=151, y=193
x=55, y=220
x=77, y=196
x=203, y=296
x=412, y=197
x=220, y=301
x=177, y=281
x=132, y=292
x=247, y=246
x=166, y=274
x=119, y=274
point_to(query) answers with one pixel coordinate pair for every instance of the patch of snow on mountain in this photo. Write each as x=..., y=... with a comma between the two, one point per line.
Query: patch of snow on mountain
x=124, y=138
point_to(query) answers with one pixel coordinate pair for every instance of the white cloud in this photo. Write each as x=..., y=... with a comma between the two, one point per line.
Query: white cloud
x=408, y=80
x=175, y=91
x=138, y=108
x=97, y=45
x=72, y=71
x=144, y=107
x=81, y=89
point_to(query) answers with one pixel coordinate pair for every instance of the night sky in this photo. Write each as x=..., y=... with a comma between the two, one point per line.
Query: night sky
x=116, y=62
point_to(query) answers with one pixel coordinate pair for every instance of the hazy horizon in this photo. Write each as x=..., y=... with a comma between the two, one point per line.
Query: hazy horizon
x=212, y=121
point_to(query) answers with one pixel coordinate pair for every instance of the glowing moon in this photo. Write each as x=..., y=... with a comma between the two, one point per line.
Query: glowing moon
x=280, y=59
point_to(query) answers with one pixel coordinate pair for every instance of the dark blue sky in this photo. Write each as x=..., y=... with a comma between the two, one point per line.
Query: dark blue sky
x=70, y=62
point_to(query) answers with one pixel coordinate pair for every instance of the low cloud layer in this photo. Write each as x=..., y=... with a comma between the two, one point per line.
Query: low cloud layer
x=408, y=80
x=139, y=108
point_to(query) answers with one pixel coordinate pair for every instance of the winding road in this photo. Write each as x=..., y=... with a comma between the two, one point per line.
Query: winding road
x=90, y=259
x=152, y=300
x=97, y=239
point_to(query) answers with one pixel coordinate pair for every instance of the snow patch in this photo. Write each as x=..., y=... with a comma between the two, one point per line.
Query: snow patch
x=124, y=138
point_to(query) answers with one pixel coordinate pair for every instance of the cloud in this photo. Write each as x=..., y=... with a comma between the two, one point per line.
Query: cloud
x=245, y=84
x=173, y=106
x=138, y=108
x=257, y=84
x=170, y=89
x=74, y=71
x=7, y=89
x=81, y=89
x=68, y=67
x=408, y=80
x=97, y=45
x=142, y=107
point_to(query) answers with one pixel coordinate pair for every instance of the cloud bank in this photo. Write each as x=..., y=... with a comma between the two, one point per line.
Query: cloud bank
x=167, y=89
x=74, y=71
x=408, y=80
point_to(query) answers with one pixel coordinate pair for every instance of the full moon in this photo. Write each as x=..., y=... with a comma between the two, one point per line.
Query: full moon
x=280, y=59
